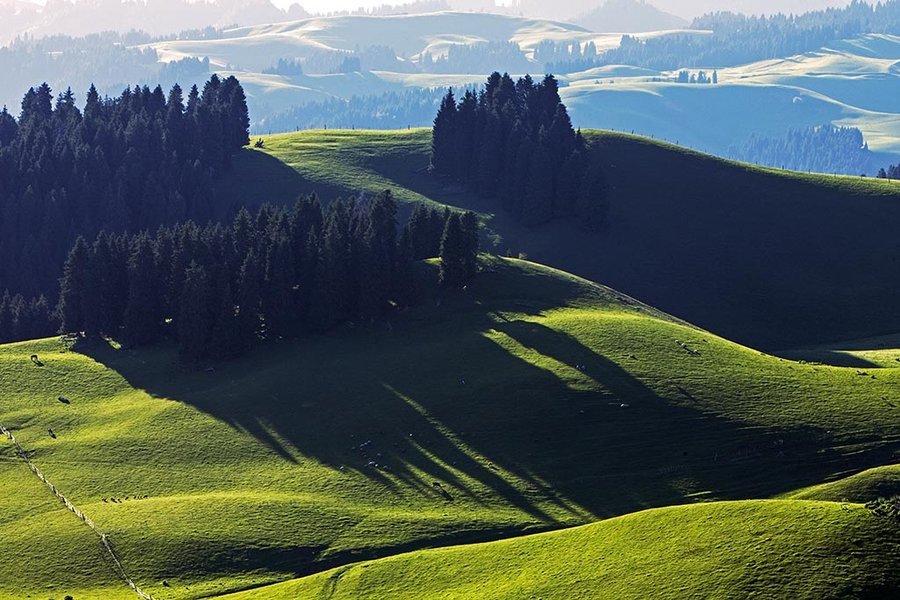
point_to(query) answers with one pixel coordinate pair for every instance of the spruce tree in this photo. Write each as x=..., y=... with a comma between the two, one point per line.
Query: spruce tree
x=278, y=298
x=73, y=286
x=444, y=137
x=453, y=254
x=225, y=338
x=249, y=300
x=195, y=319
x=142, y=314
x=469, y=225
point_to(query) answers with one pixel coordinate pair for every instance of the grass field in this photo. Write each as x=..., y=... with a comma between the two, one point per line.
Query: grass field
x=769, y=258
x=535, y=400
x=773, y=549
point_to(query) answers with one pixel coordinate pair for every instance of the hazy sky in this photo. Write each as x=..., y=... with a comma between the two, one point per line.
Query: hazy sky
x=685, y=8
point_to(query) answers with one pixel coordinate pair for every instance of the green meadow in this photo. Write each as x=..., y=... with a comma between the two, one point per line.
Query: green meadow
x=532, y=401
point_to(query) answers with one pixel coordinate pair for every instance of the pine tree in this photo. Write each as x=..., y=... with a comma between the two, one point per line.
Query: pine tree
x=469, y=225
x=225, y=338
x=195, y=320
x=453, y=254
x=280, y=288
x=445, y=137
x=142, y=315
x=73, y=288
x=249, y=300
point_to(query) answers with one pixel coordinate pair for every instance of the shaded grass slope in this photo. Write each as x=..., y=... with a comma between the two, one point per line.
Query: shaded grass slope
x=533, y=400
x=765, y=549
x=769, y=258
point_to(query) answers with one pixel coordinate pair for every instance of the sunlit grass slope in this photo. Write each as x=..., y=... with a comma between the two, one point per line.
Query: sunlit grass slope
x=768, y=258
x=765, y=549
x=46, y=551
x=880, y=482
x=531, y=401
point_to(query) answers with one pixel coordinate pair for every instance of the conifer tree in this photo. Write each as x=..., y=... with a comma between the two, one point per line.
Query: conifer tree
x=73, y=286
x=453, y=254
x=225, y=338
x=142, y=315
x=195, y=320
x=280, y=287
x=444, y=138
x=249, y=300
x=469, y=225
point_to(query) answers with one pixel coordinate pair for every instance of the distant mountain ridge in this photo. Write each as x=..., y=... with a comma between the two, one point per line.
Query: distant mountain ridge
x=629, y=16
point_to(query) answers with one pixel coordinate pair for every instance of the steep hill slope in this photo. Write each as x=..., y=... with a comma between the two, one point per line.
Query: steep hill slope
x=765, y=257
x=726, y=550
x=532, y=401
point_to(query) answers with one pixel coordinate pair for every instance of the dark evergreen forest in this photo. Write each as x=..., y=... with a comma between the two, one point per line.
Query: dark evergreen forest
x=821, y=149
x=514, y=141
x=283, y=271
x=128, y=163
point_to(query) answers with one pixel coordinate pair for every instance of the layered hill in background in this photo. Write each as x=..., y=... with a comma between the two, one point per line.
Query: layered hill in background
x=848, y=83
x=364, y=71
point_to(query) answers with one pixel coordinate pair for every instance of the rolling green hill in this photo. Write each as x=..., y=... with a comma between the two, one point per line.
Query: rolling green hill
x=532, y=401
x=769, y=258
x=774, y=549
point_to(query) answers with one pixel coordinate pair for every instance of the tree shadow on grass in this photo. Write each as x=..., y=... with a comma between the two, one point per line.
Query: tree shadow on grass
x=481, y=411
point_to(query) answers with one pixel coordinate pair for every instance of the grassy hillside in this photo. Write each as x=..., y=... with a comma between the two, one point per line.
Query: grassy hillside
x=769, y=258
x=723, y=550
x=880, y=482
x=534, y=400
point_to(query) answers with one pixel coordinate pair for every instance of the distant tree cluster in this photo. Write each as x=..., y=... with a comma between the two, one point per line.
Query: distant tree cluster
x=286, y=67
x=702, y=77
x=392, y=110
x=220, y=289
x=478, y=58
x=566, y=57
x=821, y=149
x=129, y=163
x=739, y=39
x=22, y=319
x=514, y=141
x=892, y=172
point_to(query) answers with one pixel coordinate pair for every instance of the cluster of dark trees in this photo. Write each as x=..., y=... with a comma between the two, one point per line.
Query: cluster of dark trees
x=220, y=289
x=892, y=172
x=478, y=58
x=566, y=57
x=703, y=77
x=132, y=162
x=738, y=39
x=514, y=141
x=287, y=67
x=821, y=149
x=392, y=110
x=22, y=319
x=128, y=163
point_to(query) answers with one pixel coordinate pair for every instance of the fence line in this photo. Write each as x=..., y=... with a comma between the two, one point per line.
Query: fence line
x=104, y=539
